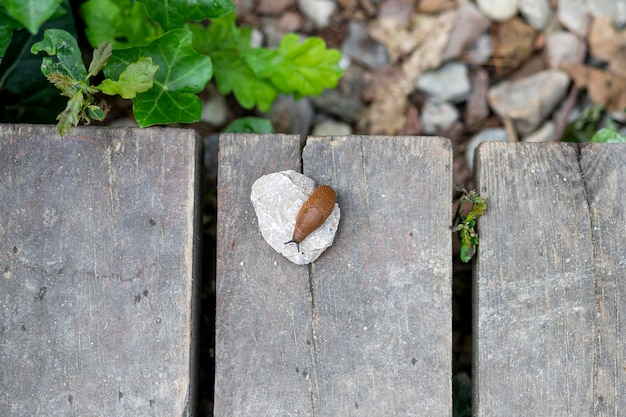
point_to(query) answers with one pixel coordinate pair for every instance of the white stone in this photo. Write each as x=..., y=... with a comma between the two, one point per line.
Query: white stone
x=561, y=47
x=448, y=83
x=490, y=134
x=544, y=134
x=437, y=115
x=277, y=198
x=573, y=15
x=536, y=12
x=529, y=100
x=319, y=11
x=215, y=109
x=498, y=10
x=331, y=128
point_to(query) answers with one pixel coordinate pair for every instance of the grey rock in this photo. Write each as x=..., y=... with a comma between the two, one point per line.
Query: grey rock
x=437, y=116
x=529, y=100
x=615, y=9
x=214, y=109
x=319, y=11
x=481, y=50
x=331, y=128
x=488, y=135
x=448, y=83
x=573, y=15
x=362, y=49
x=498, y=10
x=346, y=108
x=277, y=198
x=544, y=134
x=536, y=12
x=468, y=26
x=291, y=116
x=561, y=47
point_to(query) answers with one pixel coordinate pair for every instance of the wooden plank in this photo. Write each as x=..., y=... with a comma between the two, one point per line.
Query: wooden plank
x=96, y=260
x=382, y=292
x=604, y=170
x=365, y=330
x=263, y=330
x=547, y=314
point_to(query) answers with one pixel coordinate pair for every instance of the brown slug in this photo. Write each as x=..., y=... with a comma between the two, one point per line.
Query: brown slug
x=313, y=213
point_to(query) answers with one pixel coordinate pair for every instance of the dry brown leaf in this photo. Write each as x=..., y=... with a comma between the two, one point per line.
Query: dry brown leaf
x=435, y=6
x=607, y=44
x=425, y=42
x=513, y=42
x=604, y=88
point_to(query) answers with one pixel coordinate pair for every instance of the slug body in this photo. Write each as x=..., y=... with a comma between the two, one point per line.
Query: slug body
x=313, y=213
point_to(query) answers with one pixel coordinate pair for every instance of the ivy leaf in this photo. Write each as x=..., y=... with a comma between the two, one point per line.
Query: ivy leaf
x=181, y=75
x=298, y=68
x=122, y=22
x=174, y=13
x=606, y=135
x=136, y=78
x=250, y=125
x=63, y=46
x=232, y=74
x=222, y=35
x=7, y=26
x=31, y=13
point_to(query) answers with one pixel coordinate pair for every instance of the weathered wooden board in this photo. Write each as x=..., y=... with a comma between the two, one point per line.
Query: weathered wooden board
x=365, y=330
x=96, y=271
x=549, y=281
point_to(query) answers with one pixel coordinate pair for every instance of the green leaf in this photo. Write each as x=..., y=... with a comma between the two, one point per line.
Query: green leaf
x=181, y=75
x=63, y=46
x=250, y=125
x=7, y=26
x=303, y=69
x=222, y=35
x=136, y=78
x=232, y=74
x=71, y=115
x=607, y=135
x=100, y=57
x=31, y=13
x=124, y=23
x=174, y=13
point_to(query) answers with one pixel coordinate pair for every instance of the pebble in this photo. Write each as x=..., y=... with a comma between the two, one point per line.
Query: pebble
x=544, y=134
x=491, y=134
x=498, y=10
x=468, y=26
x=529, y=100
x=615, y=9
x=437, y=116
x=319, y=11
x=476, y=108
x=274, y=7
x=291, y=116
x=214, y=109
x=481, y=51
x=573, y=15
x=361, y=48
x=561, y=47
x=536, y=12
x=448, y=83
x=331, y=128
x=346, y=108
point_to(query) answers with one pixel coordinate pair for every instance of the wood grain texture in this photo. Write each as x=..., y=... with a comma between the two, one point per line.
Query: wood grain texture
x=547, y=301
x=363, y=331
x=96, y=256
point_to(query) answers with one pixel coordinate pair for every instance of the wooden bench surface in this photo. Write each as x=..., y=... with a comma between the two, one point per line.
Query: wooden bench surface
x=366, y=329
x=550, y=325
x=96, y=271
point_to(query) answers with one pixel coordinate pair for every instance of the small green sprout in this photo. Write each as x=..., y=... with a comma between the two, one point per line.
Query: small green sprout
x=465, y=225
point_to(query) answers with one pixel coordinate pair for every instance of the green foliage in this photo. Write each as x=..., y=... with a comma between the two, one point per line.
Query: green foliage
x=154, y=39
x=182, y=74
x=257, y=75
x=465, y=226
x=250, y=125
x=64, y=68
x=606, y=135
x=124, y=23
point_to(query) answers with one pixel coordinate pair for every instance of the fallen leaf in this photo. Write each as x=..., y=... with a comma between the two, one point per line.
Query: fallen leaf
x=604, y=88
x=435, y=6
x=608, y=45
x=513, y=43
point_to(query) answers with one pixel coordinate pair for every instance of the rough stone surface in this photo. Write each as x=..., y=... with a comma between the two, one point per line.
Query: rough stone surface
x=488, y=135
x=529, y=100
x=359, y=47
x=277, y=198
x=319, y=11
x=536, y=12
x=468, y=26
x=498, y=10
x=561, y=47
x=331, y=128
x=448, y=83
x=437, y=116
